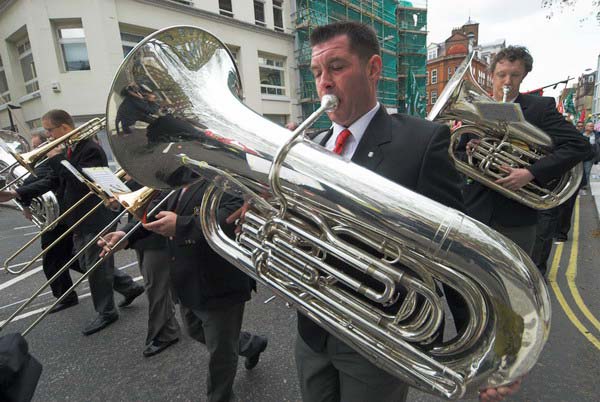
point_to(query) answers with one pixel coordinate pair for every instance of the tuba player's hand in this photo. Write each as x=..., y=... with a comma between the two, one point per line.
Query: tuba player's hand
x=7, y=195
x=499, y=393
x=517, y=178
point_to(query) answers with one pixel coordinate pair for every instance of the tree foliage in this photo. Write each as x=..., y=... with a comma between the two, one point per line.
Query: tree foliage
x=559, y=6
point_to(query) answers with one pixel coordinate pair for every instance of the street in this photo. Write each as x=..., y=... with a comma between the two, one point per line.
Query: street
x=109, y=366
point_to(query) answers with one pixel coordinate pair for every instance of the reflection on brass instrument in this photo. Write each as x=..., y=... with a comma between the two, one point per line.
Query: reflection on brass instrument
x=29, y=159
x=506, y=139
x=94, y=190
x=44, y=209
x=394, y=243
x=135, y=203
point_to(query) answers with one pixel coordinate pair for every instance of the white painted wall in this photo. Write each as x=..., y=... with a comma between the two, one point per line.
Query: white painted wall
x=84, y=93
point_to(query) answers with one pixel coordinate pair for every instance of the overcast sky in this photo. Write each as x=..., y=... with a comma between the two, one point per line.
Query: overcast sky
x=561, y=46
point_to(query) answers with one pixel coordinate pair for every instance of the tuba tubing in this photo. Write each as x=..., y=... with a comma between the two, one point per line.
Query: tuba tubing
x=321, y=205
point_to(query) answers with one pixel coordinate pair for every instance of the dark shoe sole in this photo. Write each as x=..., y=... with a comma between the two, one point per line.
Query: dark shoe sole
x=129, y=299
x=250, y=363
x=62, y=306
x=151, y=352
x=98, y=328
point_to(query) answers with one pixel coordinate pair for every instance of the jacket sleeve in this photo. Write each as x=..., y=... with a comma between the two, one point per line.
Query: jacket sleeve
x=570, y=147
x=90, y=156
x=438, y=178
x=189, y=228
x=33, y=186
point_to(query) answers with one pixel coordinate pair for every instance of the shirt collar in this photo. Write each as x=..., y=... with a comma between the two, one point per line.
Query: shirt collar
x=359, y=127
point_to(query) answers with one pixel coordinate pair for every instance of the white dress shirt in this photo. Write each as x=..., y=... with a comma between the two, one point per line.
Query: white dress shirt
x=357, y=130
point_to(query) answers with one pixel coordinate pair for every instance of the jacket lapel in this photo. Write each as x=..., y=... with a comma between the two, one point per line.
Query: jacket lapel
x=187, y=197
x=369, y=153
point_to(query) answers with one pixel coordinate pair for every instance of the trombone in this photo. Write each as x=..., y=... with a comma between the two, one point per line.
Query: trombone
x=30, y=159
x=136, y=203
x=94, y=190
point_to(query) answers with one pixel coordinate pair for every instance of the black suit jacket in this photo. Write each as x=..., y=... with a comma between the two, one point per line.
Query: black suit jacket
x=201, y=278
x=570, y=148
x=69, y=189
x=406, y=150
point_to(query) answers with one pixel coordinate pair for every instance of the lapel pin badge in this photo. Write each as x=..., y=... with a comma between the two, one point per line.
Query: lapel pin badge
x=370, y=155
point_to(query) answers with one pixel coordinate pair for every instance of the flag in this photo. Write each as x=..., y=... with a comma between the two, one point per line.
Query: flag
x=569, y=104
x=582, y=116
x=536, y=92
x=560, y=107
x=415, y=102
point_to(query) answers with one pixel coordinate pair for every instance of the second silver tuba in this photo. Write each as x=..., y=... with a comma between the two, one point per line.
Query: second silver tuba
x=396, y=244
x=506, y=139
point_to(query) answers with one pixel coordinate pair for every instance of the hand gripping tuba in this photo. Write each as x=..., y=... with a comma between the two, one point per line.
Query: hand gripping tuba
x=394, y=244
x=506, y=139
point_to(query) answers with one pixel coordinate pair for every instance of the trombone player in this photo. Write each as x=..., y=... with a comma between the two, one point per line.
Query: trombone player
x=62, y=252
x=85, y=153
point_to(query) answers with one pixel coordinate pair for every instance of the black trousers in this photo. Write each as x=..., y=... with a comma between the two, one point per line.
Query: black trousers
x=57, y=257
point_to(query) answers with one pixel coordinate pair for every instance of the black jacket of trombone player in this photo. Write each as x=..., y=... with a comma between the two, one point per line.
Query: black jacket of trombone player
x=69, y=189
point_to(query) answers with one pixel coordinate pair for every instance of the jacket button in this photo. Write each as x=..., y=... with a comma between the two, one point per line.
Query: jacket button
x=172, y=258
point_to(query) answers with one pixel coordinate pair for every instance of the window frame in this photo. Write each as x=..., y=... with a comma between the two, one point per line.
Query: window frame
x=67, y=41
x=434, y=97
x=434, y=77
x=21, y=55
x=129, y=42
x=6, y=94
x=225, y=11
x=274, y=66
x=258, y=22
x=278, y=5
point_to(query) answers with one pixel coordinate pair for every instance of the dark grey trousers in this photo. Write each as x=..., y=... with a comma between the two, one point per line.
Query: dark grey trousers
x=104, y=278
x=220, y=331
x=162, y=323
x=523, y=236
x=339, y=374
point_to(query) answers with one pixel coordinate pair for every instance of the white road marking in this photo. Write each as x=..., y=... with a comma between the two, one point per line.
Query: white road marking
x=24, y=227
x=20, y=278
x=19, y=264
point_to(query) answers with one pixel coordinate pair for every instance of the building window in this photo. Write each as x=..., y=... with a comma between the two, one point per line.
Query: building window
x=4, y=94
x=27, y=66
x=128, y=41
x=225, y=8
x=431, y=53
x=434, y=76
x=259, y=13
x=272, y=73
x=72, y=44
x=433, y=97
x=278, y=15
x=449, y=72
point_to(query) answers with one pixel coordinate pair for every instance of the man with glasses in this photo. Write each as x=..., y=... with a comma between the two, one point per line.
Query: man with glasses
x=85, y=153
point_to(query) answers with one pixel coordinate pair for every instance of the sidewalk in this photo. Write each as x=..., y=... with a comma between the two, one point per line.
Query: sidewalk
x=595, y=185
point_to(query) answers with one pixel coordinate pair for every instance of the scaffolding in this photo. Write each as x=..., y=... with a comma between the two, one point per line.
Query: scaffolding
x=379, y=14
x=412, y=54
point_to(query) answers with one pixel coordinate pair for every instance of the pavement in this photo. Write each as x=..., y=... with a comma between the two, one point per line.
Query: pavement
x=109, y=366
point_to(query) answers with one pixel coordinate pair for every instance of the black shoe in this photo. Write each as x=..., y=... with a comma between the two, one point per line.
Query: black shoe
x=158, y=346
x=131, y=296
x=561, y=239
x=99, y=323
x=64, y=304
x=252, y=361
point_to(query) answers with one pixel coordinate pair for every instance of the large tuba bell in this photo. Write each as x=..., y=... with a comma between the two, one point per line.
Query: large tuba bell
x=395, y=244
x=506, y=139
x=44, y=209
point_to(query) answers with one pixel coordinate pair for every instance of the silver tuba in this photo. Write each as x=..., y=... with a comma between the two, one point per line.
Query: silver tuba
x=506, y=139
x=396, y=244
x=44, y=209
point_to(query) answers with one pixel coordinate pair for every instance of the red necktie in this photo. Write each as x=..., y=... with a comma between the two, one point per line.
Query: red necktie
x=341, y=140
x=69, y=152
